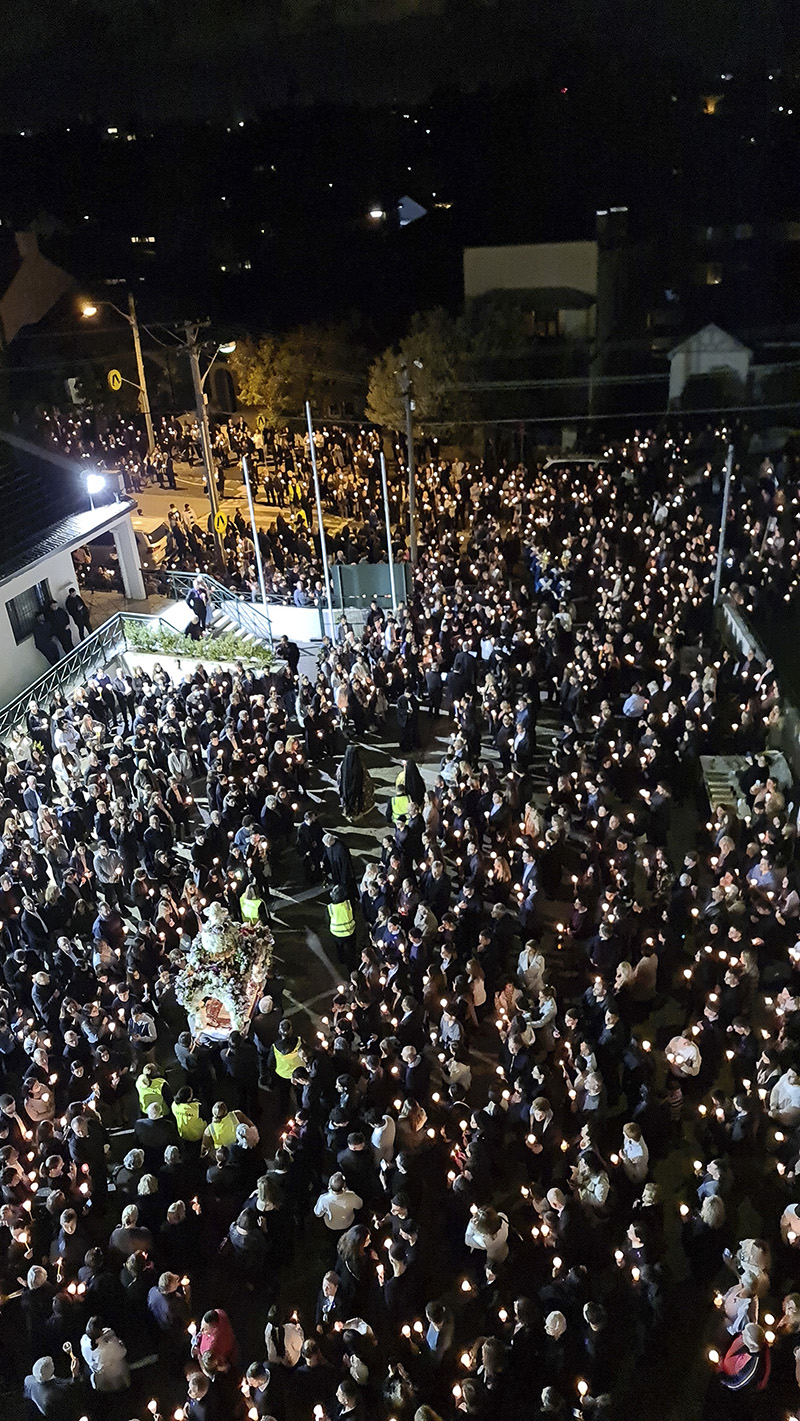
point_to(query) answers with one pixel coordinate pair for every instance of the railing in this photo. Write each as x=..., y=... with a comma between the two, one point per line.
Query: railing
x=101, y=648
x=250, y=617
x=737, y=631
x=98, y=648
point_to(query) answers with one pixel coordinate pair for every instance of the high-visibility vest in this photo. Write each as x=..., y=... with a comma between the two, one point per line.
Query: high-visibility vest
x=343, y=924
x=400, y=803
x=191, y=1125
x=287, y=1062
x=223, y=1132
x=250, y=908
x=149, y=1091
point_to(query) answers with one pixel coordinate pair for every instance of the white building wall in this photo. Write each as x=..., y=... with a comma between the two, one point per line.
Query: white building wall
x=531, y=265
x=19, y=665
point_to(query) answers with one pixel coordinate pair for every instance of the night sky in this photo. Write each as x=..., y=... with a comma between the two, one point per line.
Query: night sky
x=122, y=60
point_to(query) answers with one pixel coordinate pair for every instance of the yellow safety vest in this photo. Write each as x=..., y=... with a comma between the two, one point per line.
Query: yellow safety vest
x=191, y=1125
x=287, y=1062
x=400, y=803
x=150, y=1091
x=250, y=908
x=223, y=1132
x=343, y=924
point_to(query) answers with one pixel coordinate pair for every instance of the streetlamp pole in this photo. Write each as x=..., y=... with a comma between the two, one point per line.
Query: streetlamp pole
x=723, y=523
x=145, y=398
x=205, y=434
x=90, y=308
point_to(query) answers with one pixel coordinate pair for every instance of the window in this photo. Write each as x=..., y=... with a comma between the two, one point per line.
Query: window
x=546, y=325
x=23, y=610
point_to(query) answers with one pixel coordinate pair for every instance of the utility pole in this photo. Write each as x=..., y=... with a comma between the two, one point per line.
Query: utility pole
x=205, y=433
x=723, y=523
x=407, y=393
x=144, y=396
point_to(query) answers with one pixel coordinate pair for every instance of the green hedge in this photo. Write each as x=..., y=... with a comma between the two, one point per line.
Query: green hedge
x=157, y=637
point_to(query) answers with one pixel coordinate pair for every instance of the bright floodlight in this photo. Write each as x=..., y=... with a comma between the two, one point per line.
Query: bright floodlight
x=228, y=347
x=94, y=483
x=377, y=214
x=89, y=309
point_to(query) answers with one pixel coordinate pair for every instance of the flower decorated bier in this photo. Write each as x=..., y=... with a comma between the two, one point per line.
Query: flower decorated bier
x=223, y=974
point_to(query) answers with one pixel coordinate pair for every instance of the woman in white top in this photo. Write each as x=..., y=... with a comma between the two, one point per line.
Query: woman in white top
x=382, y=1139
x=634, y=1155
x=105, y=1355
x=477, y=984
x=531, y=969
x=488, y=1230
x=544, y=1023
x=284, y=1342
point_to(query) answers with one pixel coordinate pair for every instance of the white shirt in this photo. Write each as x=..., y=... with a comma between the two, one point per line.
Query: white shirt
x=635, y=1159
x=338, y=1210
x=494, y=1245
x=784, y=1101
x=531, y=968
x=382, y=1140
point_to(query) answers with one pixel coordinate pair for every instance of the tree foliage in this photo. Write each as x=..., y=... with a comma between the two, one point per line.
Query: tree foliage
x=321, y=364
x=435, y=355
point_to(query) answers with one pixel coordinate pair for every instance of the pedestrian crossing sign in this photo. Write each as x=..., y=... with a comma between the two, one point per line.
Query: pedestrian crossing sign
x=220, y=522
x=261, y=422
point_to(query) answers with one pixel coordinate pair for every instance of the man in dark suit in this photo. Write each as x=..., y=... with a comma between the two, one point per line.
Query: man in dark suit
x=60, y=1397
x=153, y=1133
x=417, y=1074
x=358, y=1167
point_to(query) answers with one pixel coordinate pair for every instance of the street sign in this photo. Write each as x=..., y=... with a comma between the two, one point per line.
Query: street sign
x=114, y=380
x=221, y=522
x=261, y=422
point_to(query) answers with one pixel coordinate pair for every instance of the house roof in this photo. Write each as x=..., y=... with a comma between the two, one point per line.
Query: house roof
x=711, y=338
x=544, y=298
x=64, y=536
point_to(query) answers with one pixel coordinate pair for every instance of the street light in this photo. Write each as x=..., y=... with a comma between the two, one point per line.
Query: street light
x=89, y=309
x=95, y=483
x=192, y=330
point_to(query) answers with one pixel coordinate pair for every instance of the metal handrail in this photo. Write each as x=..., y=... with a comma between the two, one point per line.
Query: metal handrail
x=250, y=617
x=101, y=645
x=100, y=648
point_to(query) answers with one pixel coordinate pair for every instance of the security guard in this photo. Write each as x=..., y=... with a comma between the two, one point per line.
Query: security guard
x=287, y=1058
x=343, y=926
x=251, y=905
x=399, y=805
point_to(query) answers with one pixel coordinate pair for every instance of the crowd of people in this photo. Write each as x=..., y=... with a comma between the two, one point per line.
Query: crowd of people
x=541, y=1146
x=281, y=478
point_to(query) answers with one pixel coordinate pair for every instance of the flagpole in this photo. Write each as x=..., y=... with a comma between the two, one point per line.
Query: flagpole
x=388, y=531
x=322, y=544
